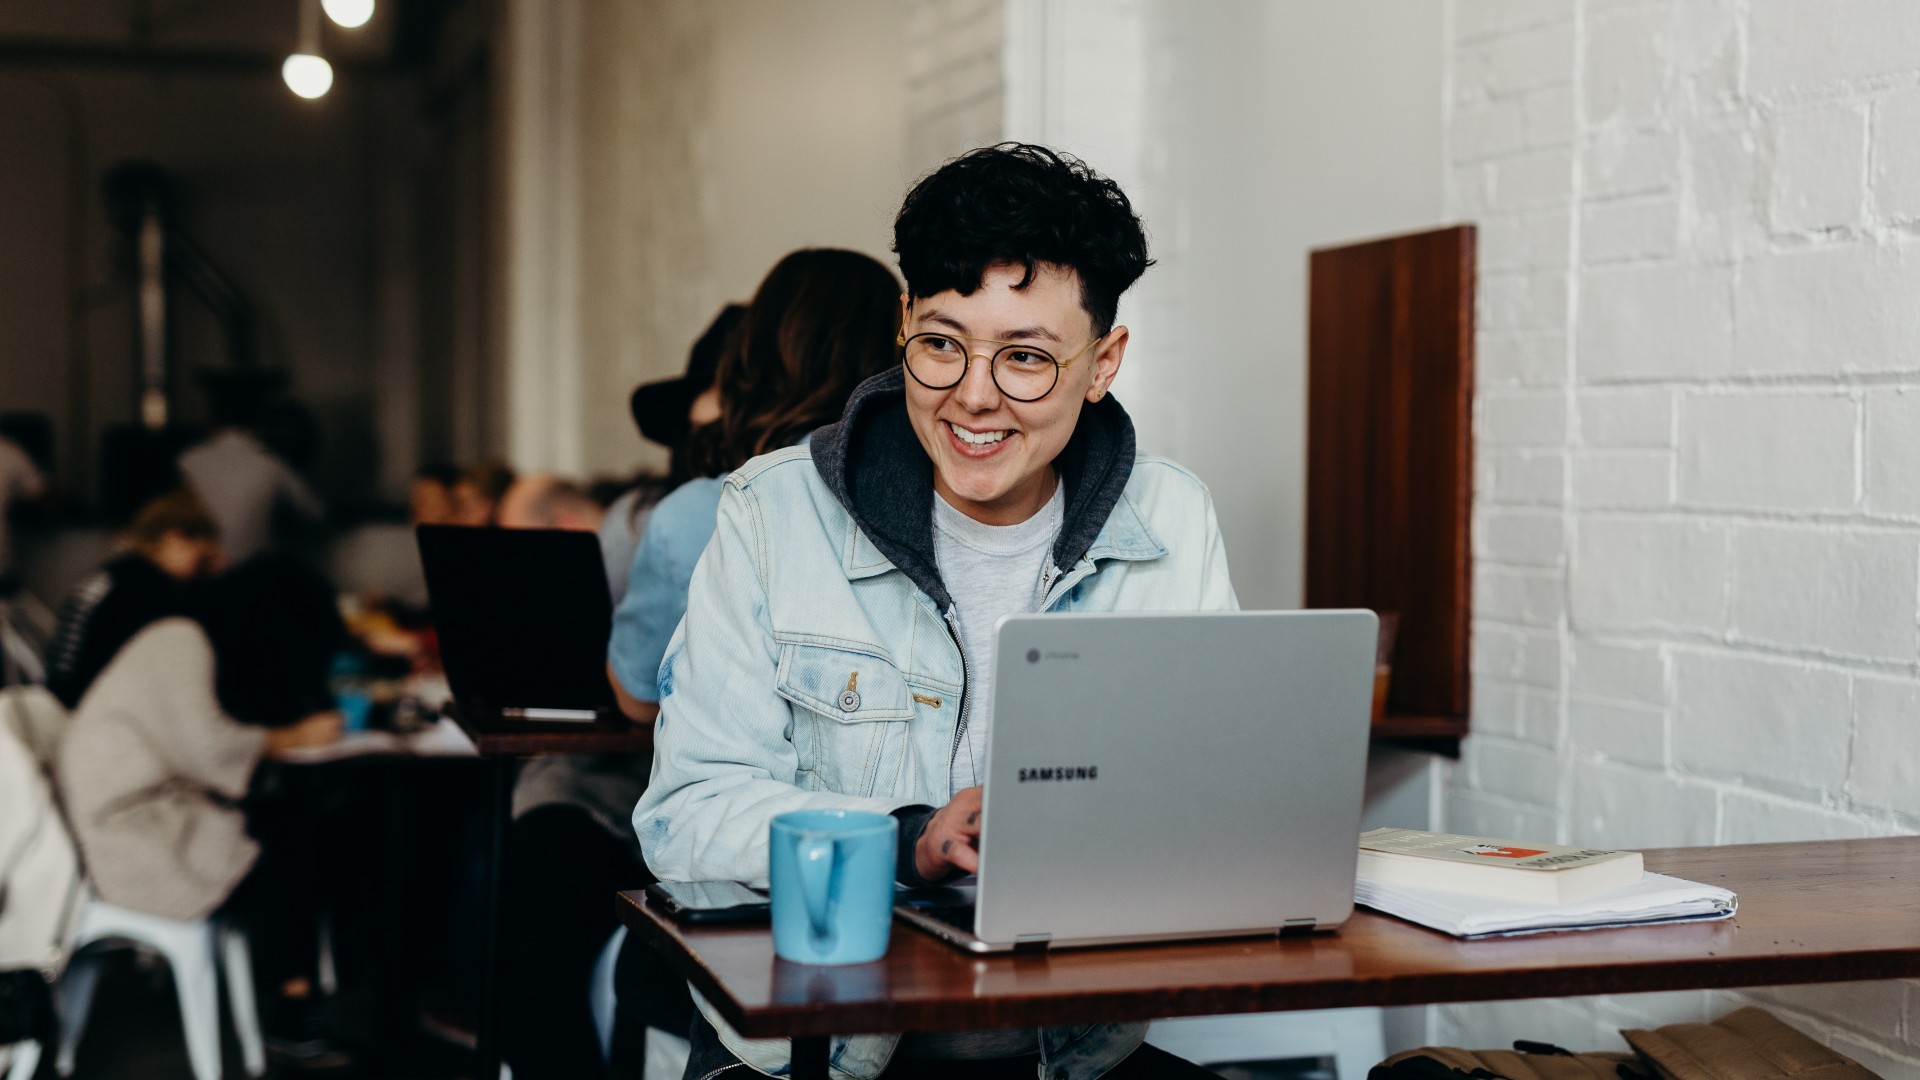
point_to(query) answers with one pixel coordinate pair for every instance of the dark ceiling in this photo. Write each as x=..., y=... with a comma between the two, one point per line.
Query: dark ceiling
x=211, y=35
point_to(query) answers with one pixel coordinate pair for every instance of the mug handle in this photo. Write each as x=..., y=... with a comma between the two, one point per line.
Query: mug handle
x=816, y=863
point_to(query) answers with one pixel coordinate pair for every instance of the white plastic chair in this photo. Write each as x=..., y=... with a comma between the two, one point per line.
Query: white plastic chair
x=1351, y=1037
x=666, y=1052
x=600, y=996
x=197, y=952
x=26, y=1059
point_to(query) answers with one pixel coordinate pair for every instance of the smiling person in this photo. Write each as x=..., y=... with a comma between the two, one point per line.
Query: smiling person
x=991, y=472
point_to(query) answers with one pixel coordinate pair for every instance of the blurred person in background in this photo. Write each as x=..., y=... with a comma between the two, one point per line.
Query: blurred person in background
x=430, y=496
x=570, y=844
x=243, y=483
x=172, y=542
x=161, y=773
x=545, y=501
x=19, y=480
x=821, y=321
x=666, y=412
x=477, y=493
x=812, y=333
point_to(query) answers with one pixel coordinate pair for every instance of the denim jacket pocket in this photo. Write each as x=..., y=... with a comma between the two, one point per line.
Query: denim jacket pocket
x=850, y=718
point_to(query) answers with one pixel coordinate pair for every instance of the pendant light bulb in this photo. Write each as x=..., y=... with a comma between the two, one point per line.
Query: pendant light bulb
x=349, y=13
x=308, y=75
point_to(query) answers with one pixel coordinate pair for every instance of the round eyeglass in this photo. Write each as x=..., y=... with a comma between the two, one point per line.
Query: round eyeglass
x=1023, y=372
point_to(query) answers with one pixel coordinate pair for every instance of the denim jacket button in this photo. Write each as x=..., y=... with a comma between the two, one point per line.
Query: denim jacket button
x=849, y=701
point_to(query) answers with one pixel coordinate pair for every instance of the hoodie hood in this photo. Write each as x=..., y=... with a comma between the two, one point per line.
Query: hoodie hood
x=874, y=464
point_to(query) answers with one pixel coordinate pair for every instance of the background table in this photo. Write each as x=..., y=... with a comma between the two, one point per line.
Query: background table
x=505, y=741
x=1812, y=912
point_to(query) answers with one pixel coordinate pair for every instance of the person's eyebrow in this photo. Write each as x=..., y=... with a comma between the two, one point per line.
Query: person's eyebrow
x=935, y=315
x=1028, y=333
x=1022, y=333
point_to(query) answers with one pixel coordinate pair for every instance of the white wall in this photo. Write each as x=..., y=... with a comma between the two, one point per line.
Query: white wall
x=1246, y=133
x=662, y=156
x=1698, y=518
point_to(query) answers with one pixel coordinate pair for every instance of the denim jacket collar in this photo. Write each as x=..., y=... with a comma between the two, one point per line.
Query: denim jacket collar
x=874, y=464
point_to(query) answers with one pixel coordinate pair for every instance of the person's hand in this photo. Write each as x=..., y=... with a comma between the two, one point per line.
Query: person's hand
x=951, y=840
x=320, y=729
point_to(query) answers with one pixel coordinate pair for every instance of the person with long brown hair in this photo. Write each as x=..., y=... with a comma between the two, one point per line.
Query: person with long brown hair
x=822, y=321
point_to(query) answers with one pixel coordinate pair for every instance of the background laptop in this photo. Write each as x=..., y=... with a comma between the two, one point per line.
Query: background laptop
x=523, y=617
x=1164, y=776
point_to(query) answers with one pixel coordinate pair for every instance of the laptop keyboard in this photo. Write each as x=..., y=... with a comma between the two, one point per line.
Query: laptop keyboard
x=949, y=904
x=958, y=916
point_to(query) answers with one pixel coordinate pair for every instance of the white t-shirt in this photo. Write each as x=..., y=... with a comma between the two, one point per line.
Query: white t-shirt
x=241, y=482
x=991, y=570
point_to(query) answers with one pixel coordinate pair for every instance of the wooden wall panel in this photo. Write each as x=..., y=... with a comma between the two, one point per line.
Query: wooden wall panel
x=1390, y=457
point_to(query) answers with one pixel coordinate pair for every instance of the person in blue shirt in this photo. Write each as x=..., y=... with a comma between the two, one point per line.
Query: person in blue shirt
x=822, y=321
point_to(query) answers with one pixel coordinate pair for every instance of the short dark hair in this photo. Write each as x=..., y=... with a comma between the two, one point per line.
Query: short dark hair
x=1017, y=204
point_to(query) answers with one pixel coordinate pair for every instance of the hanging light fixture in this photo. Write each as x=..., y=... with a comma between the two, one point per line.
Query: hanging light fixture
x=307, y=72
x=351, y=14
x=308, y=75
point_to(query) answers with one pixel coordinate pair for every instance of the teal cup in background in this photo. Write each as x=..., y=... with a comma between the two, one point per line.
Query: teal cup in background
x=832, y=885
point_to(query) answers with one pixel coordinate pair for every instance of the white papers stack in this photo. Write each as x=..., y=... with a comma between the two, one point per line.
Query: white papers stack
x=1657, y=899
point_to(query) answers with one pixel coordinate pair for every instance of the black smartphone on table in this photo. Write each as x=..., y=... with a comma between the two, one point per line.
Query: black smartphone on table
x=710, y=902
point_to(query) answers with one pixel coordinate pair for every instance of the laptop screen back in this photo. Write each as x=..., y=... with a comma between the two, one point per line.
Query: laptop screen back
x=1178, y=774
x=523, y=616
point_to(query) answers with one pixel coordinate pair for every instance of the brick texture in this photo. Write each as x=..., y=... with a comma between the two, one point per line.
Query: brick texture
x=1698, y=559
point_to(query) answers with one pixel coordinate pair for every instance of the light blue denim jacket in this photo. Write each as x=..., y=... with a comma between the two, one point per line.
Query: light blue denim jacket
x=794, y=596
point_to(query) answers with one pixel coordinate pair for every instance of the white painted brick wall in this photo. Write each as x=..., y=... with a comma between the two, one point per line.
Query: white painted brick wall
x=1843, y=591
x=1627, y=418
x=1820, y=168
x=1623, y=479
x=1654, y=320
x=1816, y=44
x=1847, y=307
x=1697, y=555
x=1893, y=451
x=1632, y=572
x=1886, y=771
x=1610, y=730
x=1769, y=450
x=1793, y=721
x=1896, y=156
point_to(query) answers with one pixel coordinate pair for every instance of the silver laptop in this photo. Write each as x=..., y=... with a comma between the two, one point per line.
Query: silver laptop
x=1154, y=777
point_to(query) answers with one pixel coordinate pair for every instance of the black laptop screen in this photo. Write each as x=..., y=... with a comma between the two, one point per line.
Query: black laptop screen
x=523, y=616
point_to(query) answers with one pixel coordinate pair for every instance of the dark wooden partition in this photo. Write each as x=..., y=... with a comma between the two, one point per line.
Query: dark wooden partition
x=1390, y=460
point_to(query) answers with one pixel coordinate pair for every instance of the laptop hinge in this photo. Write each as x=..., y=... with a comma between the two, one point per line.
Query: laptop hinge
x=1298, y=926
x=1031, y=942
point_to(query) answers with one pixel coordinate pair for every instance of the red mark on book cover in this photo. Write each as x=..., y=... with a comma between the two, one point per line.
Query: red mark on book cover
x=1494, y=851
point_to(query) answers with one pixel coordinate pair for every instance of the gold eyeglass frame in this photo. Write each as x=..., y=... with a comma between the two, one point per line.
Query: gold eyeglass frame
x=901, y=338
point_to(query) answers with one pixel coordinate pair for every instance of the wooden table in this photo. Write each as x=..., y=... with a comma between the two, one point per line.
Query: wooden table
x=505, y=741
x=1813, y=912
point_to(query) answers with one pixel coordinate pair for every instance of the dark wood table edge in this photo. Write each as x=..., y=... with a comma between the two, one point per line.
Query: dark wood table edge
x=523, y=738
x=1579, y=980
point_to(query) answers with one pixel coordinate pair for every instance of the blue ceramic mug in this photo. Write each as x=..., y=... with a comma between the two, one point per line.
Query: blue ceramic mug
x=832, y=885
